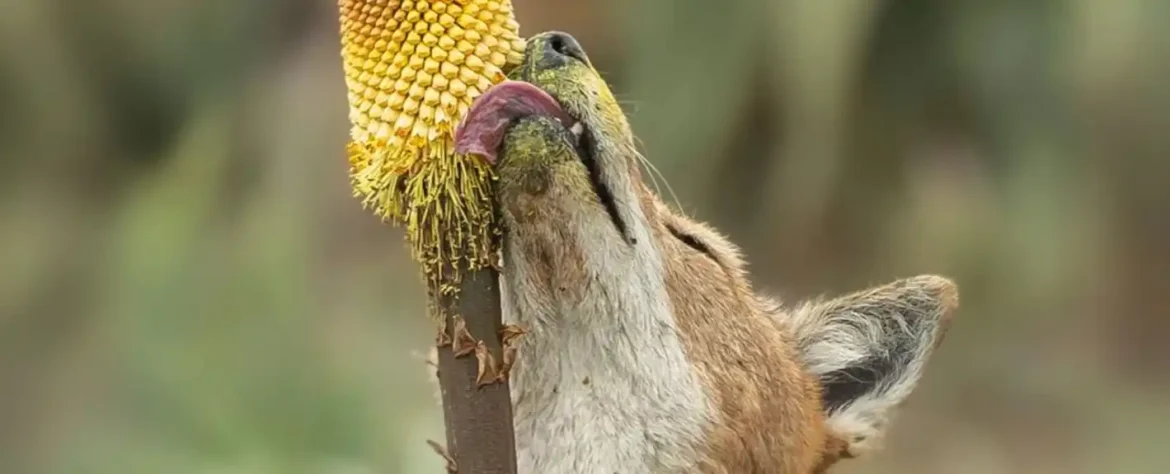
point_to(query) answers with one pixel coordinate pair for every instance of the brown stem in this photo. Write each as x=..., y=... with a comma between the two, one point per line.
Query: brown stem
x=479, y=419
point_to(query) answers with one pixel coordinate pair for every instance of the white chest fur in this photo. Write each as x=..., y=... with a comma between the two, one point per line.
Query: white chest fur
x=602, y=384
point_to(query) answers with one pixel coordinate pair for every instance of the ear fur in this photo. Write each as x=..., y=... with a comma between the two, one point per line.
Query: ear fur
x=869, y=349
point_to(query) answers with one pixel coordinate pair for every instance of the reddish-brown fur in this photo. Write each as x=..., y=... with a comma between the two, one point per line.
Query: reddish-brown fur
x=769, y=411
x=780, y=384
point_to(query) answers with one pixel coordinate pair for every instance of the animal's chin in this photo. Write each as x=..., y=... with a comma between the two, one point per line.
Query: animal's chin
x=482, y=132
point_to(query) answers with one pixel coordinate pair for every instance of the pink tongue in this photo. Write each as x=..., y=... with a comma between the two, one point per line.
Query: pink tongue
x=482, y=131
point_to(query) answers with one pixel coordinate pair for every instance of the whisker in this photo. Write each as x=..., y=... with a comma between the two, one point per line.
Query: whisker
x=652, y=171
x=639, y=144
x=653, y=178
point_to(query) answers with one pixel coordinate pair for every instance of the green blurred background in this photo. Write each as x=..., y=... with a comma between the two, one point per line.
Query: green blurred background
x=188, y=287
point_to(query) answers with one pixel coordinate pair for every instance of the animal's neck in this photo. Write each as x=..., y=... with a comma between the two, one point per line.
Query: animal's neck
x=580, y=279
x=603, y=361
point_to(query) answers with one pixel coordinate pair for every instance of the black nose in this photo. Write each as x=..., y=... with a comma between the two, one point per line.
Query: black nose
x=557, y=49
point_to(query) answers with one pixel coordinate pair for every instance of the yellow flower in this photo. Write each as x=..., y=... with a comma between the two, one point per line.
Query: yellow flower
x=412, y=69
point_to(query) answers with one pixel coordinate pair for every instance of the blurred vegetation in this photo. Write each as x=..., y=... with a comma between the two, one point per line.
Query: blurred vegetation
x=189, y=288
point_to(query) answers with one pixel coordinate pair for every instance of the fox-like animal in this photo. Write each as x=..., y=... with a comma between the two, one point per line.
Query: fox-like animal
x=647, y=350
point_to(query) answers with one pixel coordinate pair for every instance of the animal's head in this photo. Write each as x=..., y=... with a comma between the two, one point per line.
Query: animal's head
x=565, y=143
x=569, y=174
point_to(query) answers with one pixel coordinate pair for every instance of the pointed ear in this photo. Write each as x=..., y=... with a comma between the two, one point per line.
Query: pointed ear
x=869, y=349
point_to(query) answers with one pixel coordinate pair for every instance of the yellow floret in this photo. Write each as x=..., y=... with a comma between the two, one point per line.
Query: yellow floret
x=412, y=69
